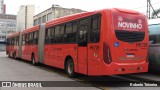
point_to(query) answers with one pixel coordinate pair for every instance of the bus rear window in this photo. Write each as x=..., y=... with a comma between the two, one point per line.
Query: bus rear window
x=129, y=27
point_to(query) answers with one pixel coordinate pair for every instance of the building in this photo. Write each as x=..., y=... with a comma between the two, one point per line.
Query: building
x=2, y=37
x=7, y=23
x=25, y=17
x=54, y=12
x=2, y=7
x=2, y=41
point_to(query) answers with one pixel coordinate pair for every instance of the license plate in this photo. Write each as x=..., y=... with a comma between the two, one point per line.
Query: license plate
x=130, y=55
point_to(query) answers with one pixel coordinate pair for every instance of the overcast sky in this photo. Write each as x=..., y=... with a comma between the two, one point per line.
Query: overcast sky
x=12, y=6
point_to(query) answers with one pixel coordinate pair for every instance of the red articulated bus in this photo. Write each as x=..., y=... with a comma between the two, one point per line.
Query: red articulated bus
x=103, y=42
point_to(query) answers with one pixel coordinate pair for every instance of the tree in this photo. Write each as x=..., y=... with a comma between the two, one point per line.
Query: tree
x=155, y=13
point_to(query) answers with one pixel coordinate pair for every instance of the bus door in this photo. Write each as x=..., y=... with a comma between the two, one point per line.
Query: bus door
x=82, y=46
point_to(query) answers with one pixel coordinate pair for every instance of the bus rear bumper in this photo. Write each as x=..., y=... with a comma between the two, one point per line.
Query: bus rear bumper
x=125, y=68
x=129, y=68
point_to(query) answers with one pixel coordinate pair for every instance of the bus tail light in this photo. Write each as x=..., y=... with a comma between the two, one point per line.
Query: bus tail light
x=106, y=53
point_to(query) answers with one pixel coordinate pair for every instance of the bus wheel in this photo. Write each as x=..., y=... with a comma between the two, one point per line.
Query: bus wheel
x=70, y=68
x=9, y=54
x=15, y=57
x=33, y=60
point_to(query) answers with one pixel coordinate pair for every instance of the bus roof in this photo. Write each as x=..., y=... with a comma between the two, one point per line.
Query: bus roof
x=154, y=21
x=32, y=29
x=84, y=14
x=13, y=35
x=125, y=11
x=67, y=18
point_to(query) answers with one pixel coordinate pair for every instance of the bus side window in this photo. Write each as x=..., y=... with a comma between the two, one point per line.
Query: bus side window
x=27, y=38
x=52, y=34
x=83, y=31
x=95, y=29
x=10, y=41
x=35, y=38
x=71, y=29
x=61, y=34
x=62, y=29
x=23, y=39
x=68, y=30
x=74, y=34
x=57, y=32
x=14, y=40
x=32, y=38
x=37, y=35
x=47, y=37
x=17, y=40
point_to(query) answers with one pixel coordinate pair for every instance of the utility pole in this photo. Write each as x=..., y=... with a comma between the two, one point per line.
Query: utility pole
x=149, y=7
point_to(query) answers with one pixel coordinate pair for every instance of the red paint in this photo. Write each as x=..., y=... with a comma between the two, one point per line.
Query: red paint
x=89, y=60
x=129, y=22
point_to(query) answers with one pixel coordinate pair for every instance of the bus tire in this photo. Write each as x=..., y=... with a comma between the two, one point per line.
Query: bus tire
x=15, y=56
x=70, y=68
x=9, y=55
x=33, y=60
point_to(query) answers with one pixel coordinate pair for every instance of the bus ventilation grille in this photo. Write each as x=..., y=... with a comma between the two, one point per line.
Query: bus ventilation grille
x=128, y=36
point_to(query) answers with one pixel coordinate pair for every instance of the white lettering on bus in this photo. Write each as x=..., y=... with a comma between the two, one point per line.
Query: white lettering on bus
x=130, y=25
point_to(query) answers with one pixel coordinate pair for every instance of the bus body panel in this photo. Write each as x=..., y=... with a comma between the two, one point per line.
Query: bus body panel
x=29, y=49
x=82, y=60
x=129, y=48
x=55, y=55
x=96, y=64
x=26, y=52
x=95, y=50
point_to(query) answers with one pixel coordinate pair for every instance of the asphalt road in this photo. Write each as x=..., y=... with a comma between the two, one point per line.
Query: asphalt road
x=16, y=70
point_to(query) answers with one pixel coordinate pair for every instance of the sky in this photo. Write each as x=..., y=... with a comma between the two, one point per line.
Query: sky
x=12, y=6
